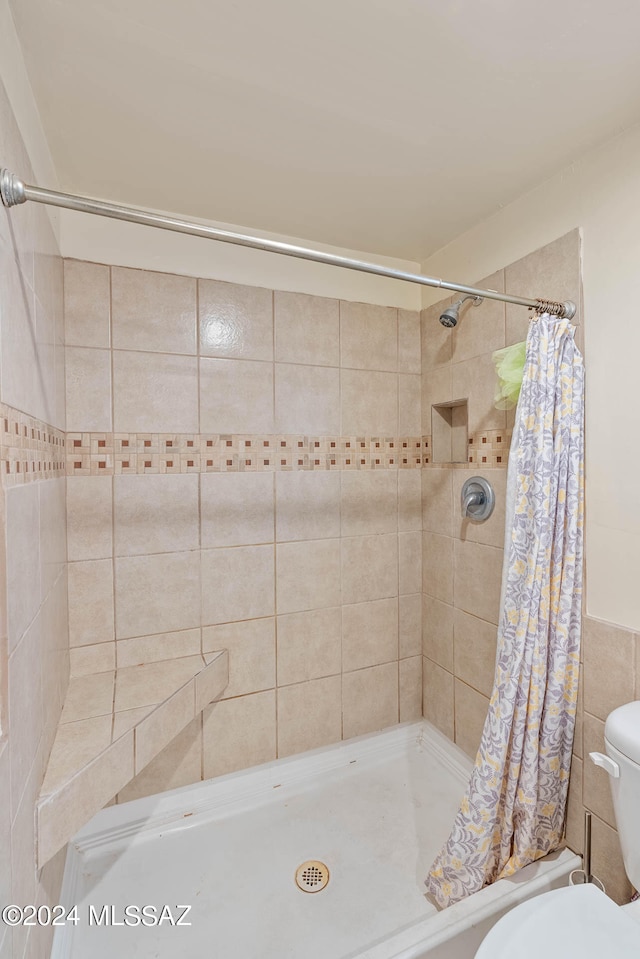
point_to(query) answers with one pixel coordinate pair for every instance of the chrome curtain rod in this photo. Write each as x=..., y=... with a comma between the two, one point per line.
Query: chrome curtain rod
x=14, y=191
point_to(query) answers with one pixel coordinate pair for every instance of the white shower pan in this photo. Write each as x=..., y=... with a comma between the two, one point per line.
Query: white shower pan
x=374, y=810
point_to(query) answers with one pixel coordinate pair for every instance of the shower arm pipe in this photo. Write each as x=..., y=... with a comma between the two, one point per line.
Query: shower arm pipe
x=14, y=192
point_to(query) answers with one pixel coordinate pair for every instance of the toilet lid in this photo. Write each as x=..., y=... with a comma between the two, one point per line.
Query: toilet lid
x=573, y=921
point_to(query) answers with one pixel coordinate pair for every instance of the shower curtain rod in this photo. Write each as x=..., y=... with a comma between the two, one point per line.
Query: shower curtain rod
x=14, y=191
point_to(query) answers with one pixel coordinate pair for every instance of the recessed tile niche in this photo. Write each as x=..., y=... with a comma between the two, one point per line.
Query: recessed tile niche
x=449, y=432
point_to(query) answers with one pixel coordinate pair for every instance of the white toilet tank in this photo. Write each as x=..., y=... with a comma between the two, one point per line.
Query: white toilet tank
x=622, y=743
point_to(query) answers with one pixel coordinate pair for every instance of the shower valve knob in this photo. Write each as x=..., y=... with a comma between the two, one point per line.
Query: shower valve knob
x=477, y=499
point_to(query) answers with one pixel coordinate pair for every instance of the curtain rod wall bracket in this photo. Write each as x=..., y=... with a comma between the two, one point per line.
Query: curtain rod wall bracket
x=11, y=189
x=14, y=191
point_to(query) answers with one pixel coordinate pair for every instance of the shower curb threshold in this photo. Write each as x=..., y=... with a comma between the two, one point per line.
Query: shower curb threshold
x=113, y=724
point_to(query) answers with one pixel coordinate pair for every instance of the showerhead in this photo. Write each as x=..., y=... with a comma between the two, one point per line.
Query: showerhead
x=449, y=317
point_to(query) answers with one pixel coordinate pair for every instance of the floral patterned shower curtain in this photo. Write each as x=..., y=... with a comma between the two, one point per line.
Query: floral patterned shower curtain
x=513, y=811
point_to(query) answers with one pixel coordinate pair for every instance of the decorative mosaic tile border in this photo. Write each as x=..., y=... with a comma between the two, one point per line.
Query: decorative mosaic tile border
x=30, y=449
x=108, y=454
x=489, y=449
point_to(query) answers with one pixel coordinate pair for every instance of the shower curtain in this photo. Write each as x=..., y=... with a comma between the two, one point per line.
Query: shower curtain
x=513, y=811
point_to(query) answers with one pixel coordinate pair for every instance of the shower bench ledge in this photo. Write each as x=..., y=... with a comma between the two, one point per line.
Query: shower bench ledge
x=112, y=725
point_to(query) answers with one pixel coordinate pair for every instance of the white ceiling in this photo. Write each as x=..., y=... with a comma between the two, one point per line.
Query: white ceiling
x=388, y=126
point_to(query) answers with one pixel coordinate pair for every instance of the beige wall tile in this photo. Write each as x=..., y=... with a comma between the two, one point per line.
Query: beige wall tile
x=309, y=715
x=88, y=379
x=53, y=532
x=596, y=781
x=369, y=403
x=307, y=329
x=436, y=340
x=490, y=532
x=22, y=559
x=23, y=845
x=470, y=714
x=368, y=336
x=307, y=399
x=608, y=666
x=238, y=733
x=237, y=583
x=236, y=396
x=89, y=517
x=474, y=645
x=559, y=263
x=153, y=649
x=155, y=514
x=574, y=828
x=157, y=593
x=477, y=579
x=437, y=697
x=5, y=827
x=309, y=645
x=235, y=320
x=154, y=393
x=437, y=631
x=481, y=328
x=76, y=744
x=307, y=505
x=369, y=502
x=369, y=567
x=437, y=502
x=409, y=499
x=369, y=699
x=162, y=725
x=409, y=562
x=475, y=380
x=153, y=311
x=607, y=863
x=410, y=625
x=212, y=681
x=100, y=658
x=252, y=654
x=91, y=602
x=578, y=734
x=126, y=719
x=410, y=689
x=25, y=716
x=437, y=566
x=436, y=388
x=409, y=405
x=409, y=350
x=237, y=509
x=179, y=764
x=307, y=575
x=369, y=633
x=86, y=304
x=88, y=696
x=152, y=683
x=19, y=357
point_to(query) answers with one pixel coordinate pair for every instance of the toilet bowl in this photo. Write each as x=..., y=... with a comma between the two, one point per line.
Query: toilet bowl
x=581, y=920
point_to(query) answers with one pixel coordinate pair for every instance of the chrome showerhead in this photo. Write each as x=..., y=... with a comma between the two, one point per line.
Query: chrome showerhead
x=449, y=317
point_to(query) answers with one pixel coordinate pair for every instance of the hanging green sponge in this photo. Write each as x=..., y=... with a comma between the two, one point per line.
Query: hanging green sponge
x=509, y=364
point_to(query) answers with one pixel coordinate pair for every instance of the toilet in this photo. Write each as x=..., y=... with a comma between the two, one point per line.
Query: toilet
x=581, y=920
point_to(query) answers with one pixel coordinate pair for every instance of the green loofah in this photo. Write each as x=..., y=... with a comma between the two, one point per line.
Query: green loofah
x=509, y=364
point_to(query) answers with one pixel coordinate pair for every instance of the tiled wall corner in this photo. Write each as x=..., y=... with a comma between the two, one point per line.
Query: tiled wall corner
x=462, y=561
x=34, y=646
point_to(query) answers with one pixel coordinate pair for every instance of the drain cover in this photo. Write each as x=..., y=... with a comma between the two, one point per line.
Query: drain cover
x=312, y=876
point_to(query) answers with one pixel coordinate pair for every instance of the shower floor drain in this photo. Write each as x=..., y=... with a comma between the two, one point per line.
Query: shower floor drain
x=312, y=876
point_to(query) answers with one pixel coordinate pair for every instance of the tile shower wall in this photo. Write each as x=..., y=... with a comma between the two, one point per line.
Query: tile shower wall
x=34, y=658
x=236, y=480
x=462, y=562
